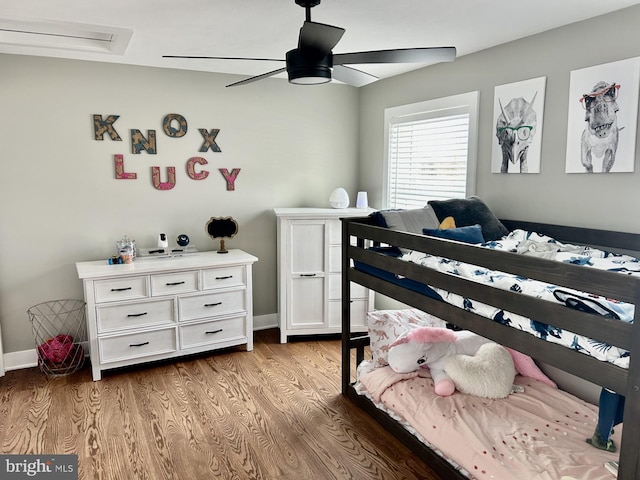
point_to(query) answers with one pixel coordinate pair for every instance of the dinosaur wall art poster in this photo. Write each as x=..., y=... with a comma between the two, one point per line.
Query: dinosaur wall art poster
x=518, y=111
x=603, y=111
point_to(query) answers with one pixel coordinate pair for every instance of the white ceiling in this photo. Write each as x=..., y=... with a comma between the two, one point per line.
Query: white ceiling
x=268, y=28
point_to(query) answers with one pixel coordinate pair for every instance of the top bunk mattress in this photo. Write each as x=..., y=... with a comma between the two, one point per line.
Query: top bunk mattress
x=534, y=244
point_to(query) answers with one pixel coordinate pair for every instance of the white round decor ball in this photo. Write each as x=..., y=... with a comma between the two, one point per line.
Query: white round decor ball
x=339, y=198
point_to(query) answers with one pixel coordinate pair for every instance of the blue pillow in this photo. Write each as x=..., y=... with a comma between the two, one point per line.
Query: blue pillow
x=469, y=234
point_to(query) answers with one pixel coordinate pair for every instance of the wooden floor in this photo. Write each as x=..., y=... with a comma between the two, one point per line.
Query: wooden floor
x=274, y=413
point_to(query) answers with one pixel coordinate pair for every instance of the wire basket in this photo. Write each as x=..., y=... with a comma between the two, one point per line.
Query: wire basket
x=59, y=329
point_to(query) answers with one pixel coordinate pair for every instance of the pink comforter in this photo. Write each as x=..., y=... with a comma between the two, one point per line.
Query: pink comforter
x=536, y=435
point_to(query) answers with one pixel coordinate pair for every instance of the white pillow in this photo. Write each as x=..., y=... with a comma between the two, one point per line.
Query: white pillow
x=385, y=326
x=413, y=220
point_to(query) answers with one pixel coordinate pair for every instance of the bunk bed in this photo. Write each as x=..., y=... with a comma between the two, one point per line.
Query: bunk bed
x=412, y=284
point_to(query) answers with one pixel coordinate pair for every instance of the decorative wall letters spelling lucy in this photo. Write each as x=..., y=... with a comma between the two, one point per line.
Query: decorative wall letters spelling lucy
x=174, y=125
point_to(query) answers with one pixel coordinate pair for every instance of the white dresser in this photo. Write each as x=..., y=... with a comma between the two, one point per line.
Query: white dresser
x=309, y=272
x=158, y=308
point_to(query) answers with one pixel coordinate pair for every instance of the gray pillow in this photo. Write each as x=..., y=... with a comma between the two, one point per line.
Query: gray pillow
x=469, y=211
x=413, y=220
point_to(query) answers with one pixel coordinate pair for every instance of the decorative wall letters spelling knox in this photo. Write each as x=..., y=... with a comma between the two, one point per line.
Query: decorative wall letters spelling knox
x=174, y=125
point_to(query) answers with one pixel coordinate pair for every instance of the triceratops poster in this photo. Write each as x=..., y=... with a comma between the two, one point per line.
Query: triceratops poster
x=603, y=111
x=517, y=118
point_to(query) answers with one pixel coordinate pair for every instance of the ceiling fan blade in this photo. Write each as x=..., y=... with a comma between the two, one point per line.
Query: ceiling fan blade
x=223, y=58
x=354, y=77
x=403, y=55
x=319, y=37
x=257, y=77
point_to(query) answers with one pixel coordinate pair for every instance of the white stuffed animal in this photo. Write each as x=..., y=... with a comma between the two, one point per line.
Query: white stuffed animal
x=450, y=354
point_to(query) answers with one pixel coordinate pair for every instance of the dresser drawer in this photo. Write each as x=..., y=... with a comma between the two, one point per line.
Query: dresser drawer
x=113, y=318
x=224, y=277
x=335, y=288
x=117, y=289
x=209, y=333
x=174, y=283
x=136, y=345
x=202, y=306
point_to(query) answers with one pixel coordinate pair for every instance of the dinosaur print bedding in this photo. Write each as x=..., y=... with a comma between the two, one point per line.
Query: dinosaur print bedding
x=530, y=243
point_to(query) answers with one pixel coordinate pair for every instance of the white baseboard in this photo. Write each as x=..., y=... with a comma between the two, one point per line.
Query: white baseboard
x=264, y=322
x=29, y=358
x=22, y=359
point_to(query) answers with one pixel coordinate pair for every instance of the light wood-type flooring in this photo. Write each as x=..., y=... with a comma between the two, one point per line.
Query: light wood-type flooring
x=274, y=413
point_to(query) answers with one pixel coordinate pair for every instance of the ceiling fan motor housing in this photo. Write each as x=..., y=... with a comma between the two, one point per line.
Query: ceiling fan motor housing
x=306, y=68
x=308, y=3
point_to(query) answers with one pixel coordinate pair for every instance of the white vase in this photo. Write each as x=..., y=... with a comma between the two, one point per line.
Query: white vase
x=339, y=198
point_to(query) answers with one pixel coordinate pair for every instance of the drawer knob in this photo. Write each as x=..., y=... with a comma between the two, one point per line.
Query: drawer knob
x=136, y=314
x=307, y=274
x=212, y=304
x=120, y=289
x=138, y=344
x=224, y=278
x=171, y=284
x=213, y=331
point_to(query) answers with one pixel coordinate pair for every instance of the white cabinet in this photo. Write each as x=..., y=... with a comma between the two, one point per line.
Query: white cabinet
x=153, y=308
x=309, y=272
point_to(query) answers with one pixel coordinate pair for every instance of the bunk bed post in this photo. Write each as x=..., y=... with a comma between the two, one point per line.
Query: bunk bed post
x=346, y=308
x=630, y=448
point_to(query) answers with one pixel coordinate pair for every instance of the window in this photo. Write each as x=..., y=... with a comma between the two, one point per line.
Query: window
x=430, y=151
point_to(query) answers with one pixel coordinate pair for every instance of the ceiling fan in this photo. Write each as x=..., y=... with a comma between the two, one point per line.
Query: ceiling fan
x=313, y=61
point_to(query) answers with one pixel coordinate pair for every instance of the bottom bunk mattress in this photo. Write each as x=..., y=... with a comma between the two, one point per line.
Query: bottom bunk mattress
x=537, y=434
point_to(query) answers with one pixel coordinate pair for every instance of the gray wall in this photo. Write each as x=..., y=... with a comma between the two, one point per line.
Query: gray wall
x=60, y=202
x=602, y=201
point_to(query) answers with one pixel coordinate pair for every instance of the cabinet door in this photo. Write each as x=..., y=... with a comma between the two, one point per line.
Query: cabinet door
x=306, y=303
x=307, y=246
x=307, y=274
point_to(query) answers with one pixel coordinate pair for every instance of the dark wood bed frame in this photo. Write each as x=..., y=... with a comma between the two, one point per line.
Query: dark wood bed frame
x=608, y=284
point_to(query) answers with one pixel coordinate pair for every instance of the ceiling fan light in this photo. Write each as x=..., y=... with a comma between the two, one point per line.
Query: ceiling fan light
x=308, y=69
x=310, y=76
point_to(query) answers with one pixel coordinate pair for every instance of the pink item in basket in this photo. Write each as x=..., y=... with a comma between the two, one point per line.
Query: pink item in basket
x=56, y=349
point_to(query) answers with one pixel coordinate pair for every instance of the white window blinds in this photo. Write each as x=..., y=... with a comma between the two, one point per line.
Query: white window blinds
x=428, y=156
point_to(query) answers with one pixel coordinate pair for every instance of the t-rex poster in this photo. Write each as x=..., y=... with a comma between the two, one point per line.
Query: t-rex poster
x=603, y=110
x=518, y=109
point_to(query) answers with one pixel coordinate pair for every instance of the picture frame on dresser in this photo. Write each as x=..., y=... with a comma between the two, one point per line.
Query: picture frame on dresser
x=159, y=308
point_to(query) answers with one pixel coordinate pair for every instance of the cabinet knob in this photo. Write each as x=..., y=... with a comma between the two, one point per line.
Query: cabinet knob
x=138, y=344
x=224, y=278
x=212, y=304
x=171, y=284
x=213, y=331
x=307, y=274
x=136, y=314
x=120, y=289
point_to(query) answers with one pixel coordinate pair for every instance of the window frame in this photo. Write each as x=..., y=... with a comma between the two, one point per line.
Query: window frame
x=439, y=107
